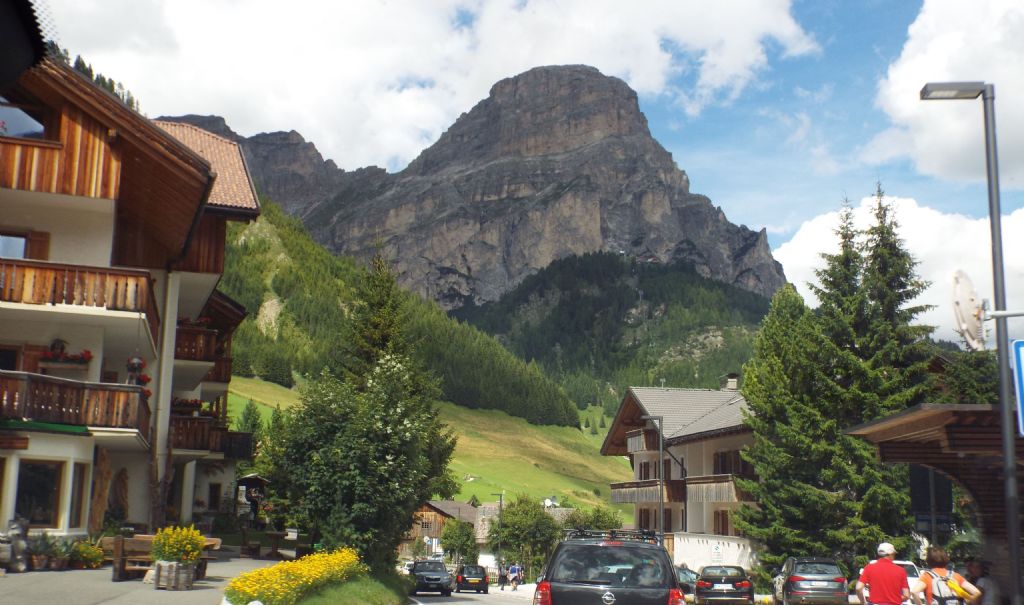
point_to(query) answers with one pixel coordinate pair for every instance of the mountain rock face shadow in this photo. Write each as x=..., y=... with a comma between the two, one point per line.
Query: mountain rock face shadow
x=556, y=161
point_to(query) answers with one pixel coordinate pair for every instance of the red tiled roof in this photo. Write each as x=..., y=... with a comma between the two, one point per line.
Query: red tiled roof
x=233, y=188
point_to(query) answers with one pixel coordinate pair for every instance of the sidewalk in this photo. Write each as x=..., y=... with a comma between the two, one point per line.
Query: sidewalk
x=94, y=587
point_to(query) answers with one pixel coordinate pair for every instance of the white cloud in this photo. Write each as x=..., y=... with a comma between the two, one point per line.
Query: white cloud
x=953, y=41
x=941, y=242
x=376, y=82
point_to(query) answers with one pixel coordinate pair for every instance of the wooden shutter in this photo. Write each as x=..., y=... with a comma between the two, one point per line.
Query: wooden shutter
x=37, y=245
x=30, y=357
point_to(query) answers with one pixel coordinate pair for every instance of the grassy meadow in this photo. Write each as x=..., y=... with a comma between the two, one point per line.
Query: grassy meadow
x=497, y=452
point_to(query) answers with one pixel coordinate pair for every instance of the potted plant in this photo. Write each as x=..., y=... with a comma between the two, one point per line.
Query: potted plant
x=39, y=548
x=86, y=555
x=60, y=555
x=176, y=550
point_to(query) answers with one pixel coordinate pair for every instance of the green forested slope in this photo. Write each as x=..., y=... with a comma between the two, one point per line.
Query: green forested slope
x=300, y=297
x=602, y=322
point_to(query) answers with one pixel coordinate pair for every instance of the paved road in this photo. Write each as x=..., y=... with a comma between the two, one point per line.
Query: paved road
x=496, y=596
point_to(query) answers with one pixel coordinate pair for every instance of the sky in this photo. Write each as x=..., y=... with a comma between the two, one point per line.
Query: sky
x=777, y=110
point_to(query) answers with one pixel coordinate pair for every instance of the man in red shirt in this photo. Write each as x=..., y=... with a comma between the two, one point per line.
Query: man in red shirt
x=886, y=580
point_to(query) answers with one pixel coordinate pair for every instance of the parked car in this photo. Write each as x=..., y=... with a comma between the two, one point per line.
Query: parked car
x=721, y=584
x=687, y=579
x=810, y=580
x=432, y=576
x=913, y=573
x=471, y=577
x=615, y=566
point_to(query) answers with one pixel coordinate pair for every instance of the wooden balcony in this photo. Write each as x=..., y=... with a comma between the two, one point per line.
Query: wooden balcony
x=221, y=371
x=190, y=432
x=642, y=440
x=713, y=488
x=632, y=492
x=40, y=283
x=42, y=398
x=195, y=344
x=238, y=445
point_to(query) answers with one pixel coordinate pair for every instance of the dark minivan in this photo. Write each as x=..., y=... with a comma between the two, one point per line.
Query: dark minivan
x=471, y=577
x=723, y=584
x=617, y=566
x=815, y=580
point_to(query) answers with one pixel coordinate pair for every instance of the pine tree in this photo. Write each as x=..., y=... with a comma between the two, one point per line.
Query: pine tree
x=602, y=423
x=250, y=421
x=377, y=320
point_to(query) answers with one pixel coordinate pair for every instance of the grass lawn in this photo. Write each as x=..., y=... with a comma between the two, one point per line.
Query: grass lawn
x=361, y=591
x=497, y=452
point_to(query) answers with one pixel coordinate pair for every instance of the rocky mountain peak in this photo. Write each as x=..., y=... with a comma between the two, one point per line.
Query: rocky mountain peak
x=556, y=161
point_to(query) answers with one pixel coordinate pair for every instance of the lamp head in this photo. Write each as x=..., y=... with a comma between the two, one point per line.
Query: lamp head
x=936, y=91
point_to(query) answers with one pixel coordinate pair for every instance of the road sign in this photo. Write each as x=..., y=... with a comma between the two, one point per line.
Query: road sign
x=716, y=554
x=1018, y=375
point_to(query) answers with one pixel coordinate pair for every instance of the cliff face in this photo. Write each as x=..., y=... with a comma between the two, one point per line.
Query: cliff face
x=554, y=162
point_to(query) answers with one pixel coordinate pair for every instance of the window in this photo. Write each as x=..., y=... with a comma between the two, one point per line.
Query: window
x=8, y=358
x=667, y=520
x=645, y=471
x=666, y=466
x=24, y=120
x=731, y=463
x=13, y=246
x=644, y=518
x=24, y=244
x=38, y=495
x=78, y=493
x=722, y=523
x=213, y=496
x=425, y=525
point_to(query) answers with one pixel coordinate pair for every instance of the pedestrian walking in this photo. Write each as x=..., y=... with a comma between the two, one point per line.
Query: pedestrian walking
x=502, y=575
x=977, y=574
x=886, y=581
x=937, y=582
x=513, y=575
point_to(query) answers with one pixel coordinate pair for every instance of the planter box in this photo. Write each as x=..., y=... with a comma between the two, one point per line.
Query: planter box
x=173, y=576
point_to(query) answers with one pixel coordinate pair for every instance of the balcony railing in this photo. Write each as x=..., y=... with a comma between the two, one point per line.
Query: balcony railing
x=195, y=344
x=642, y=440
x=190, y=432
x=221, y=371
x=238, y=446
x=631, y=492
x=40, y=282
x=42, y=398
x=713, y=488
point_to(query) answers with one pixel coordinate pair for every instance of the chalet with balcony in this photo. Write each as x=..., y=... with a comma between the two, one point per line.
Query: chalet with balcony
x=703, y=434
x=114, y=343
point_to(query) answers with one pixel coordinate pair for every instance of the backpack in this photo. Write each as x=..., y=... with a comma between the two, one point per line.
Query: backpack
x=942, y=594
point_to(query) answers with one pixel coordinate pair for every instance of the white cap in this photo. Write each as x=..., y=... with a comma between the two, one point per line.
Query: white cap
x=886, y=549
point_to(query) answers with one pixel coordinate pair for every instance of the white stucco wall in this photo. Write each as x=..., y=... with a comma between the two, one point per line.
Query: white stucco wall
x=137, y=465
x=698, y=550
x=207, y=473
x=81, y=229
x=42, y=333
x=69, y=449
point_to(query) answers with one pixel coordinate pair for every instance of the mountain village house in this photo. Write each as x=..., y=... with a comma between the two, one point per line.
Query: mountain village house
x=703, y=436
x=115, y=348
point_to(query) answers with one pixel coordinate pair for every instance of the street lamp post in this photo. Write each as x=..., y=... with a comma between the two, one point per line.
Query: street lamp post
x=972, y=90
x=661, y=476
x=501, y=501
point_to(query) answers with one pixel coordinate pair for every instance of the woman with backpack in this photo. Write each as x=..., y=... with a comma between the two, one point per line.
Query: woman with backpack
x=941, y=585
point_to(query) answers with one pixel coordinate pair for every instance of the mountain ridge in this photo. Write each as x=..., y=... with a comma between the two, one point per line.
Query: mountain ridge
x=555, y=162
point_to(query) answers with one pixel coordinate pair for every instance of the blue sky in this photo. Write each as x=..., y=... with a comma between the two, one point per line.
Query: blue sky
x=776, y=109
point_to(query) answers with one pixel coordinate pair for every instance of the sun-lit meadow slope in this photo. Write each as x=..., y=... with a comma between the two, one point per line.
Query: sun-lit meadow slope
x=496, y=451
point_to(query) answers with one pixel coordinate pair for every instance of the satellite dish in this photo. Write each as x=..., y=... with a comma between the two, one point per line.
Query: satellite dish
x=968, y=311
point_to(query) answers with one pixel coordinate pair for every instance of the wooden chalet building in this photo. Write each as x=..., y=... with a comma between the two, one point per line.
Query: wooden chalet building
x=115, y=347
x=703, y=433
x=428, y=524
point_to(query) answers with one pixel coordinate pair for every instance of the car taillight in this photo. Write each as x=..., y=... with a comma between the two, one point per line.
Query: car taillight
x=542, y=596
x=485, y=578
x=676, y=597
x=742, y=584
x=703, y=584
x=458, y=579
x=840, y=580
x=797, y=579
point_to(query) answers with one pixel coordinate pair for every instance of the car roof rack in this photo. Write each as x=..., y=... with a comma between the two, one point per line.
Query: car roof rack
x=647, y=536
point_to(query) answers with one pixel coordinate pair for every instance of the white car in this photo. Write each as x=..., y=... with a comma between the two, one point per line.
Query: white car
x=913, y=573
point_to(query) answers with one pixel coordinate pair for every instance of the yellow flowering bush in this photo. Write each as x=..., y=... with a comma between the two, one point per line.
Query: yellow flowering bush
x=181, y=544
x=286, y=582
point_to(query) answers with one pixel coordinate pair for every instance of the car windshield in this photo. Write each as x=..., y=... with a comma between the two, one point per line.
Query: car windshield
x=817, y=568
x=910, y=568
x=620, y=566
x=429, y=566
x=685, y=575
x=723, y=572
x=473, y=570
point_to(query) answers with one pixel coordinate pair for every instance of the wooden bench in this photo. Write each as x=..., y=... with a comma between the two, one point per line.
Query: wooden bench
x=131, y=556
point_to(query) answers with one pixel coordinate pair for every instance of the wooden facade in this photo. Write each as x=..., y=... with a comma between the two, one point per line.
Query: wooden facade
x=195, y=344
x=206, y=251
